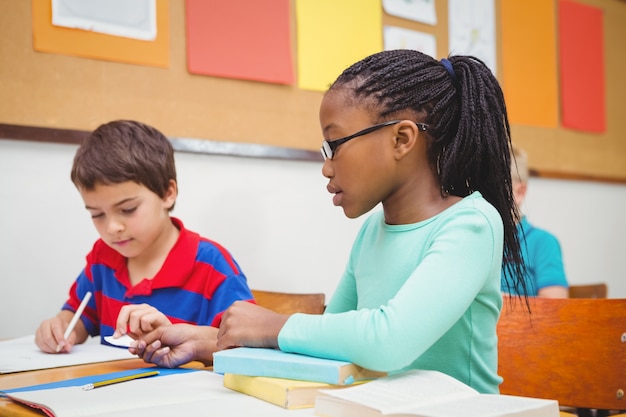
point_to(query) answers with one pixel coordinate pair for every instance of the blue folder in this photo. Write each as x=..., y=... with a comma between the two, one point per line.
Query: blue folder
x=95, y=378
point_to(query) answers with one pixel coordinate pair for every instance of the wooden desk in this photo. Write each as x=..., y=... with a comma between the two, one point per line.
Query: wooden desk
x=23, y=379
x=9, y=408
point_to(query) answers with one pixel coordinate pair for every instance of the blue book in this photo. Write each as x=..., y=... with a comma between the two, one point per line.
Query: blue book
x=278, y=364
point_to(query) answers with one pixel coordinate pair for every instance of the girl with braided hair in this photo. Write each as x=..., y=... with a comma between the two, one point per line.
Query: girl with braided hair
x=421, y=289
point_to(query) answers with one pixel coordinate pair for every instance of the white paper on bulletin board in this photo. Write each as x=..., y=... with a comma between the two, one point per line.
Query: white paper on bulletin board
x=134, y=19
x=401, y=38
x=472, y=30
x=418, y=10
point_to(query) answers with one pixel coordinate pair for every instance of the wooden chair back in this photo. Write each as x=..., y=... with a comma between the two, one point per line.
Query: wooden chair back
x=599, y=290
x=570, y=350
x=289, y=303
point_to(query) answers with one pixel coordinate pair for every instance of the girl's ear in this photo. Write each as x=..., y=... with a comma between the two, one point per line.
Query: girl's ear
x=170, y=195
x=407, y=134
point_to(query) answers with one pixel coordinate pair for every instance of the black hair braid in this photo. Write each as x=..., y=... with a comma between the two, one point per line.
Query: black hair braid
x=468, y=126
x=484, y=123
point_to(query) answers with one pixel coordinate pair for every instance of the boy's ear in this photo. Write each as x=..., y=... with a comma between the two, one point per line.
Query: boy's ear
x=170, y=195
x=407, y=134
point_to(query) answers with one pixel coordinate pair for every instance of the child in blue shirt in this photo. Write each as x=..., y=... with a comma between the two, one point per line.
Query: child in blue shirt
x=541, y=251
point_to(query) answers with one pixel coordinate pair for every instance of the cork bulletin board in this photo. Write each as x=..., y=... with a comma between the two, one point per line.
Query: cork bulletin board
x=57, y=97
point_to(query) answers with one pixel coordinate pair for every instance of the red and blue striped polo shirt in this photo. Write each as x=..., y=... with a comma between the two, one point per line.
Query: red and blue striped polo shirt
x=198, y=281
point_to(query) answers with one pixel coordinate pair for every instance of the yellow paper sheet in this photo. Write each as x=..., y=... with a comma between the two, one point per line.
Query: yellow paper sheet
x=332, y=35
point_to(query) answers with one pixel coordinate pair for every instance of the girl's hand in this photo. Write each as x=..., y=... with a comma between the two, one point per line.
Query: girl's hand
x=177, y=344
x=247, y=324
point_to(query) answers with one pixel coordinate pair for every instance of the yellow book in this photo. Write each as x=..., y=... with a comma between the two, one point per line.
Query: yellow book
x=286, y=393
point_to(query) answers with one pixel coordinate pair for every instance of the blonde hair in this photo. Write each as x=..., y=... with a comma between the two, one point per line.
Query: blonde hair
x=519, y=164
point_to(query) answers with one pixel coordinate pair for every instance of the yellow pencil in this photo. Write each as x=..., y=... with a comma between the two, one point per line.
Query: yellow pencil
x=118, y=380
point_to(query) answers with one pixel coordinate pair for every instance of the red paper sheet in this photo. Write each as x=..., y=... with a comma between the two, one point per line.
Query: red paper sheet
x=581, y=54
x=242, y=39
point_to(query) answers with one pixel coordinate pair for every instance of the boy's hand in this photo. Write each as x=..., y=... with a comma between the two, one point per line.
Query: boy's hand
x=49, y=334
x=139, y=319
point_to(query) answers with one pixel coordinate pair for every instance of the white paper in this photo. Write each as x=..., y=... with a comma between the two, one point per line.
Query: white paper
x=130, y=19
x=418, y=10
x=401, y=38
x=472, y=30
x=123, y=341
x=492, y=405
x=22, y=354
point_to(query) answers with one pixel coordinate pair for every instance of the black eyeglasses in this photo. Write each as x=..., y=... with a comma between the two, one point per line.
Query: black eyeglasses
x=328, y=147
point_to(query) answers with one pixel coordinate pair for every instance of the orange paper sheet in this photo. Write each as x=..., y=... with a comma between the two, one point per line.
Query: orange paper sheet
x=581, y=53
x=332, y=35
x=77, y=42
x=529, y=71
x=241, y=39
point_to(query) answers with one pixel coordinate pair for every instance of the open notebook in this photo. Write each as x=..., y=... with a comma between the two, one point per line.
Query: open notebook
x=22, y=354
x=175, y=393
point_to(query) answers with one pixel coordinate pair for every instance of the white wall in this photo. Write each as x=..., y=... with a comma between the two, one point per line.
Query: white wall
x=275, y=216
x=588, y=218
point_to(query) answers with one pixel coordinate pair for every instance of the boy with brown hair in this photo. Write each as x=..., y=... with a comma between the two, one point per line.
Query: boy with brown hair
x=147, y=269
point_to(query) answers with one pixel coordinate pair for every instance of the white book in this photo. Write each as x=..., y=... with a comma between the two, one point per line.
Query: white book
x=426, y=394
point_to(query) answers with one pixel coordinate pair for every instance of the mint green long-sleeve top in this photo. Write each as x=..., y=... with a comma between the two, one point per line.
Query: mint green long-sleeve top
x=416, y=296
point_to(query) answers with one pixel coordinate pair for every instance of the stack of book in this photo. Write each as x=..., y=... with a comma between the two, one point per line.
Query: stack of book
x=288, y=380
x=337, y=389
